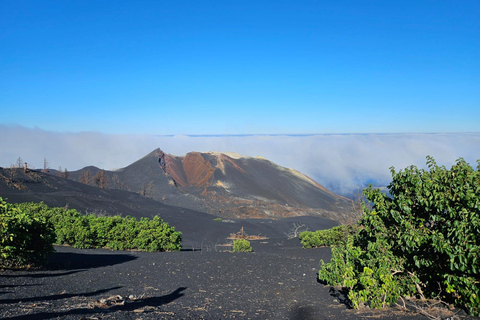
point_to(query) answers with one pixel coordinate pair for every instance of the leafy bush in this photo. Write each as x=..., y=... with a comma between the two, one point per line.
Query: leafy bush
x=242, y=245
x=156, y=235
x=112, y=232
x=329, y=237
x=421, y=240
x=26, y=238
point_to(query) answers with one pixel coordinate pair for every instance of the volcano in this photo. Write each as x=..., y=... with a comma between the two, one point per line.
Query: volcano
x=228, y=185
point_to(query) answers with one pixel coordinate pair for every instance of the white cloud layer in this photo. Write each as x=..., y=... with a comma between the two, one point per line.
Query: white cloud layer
x=342, y=163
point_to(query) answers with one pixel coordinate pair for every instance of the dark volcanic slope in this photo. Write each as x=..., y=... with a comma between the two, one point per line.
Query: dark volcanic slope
x=198, y=228
x=228, y=185
x=237, y=186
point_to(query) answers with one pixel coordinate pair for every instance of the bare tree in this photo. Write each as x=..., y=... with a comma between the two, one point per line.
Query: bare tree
x=115, y=181
x=296, y=230
x=12, y=173
x=46, y=165
x=66, y=174
x=359, y=201
x=85, y=177
x=123, y=186
x=19, y=164
x=151, y=189
x=101, y=179
x=143, y=190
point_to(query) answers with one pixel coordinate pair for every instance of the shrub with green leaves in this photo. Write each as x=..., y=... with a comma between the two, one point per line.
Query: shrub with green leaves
x=26, y=238
x=242, y=245
x=115, y=232
x=156, y=235
x=328, y=237
x=112, y=232
x=420, y=240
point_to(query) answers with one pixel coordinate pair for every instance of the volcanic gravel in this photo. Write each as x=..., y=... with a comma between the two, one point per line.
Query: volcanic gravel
x=277, y=281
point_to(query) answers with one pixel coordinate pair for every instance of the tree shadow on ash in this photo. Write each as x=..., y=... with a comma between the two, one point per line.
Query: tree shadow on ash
x=340, y=293
x=14, y=286
x=57, y=296
x=72, y=263
x=305, y=313
x=75, y=261
x=129, y=306
x=151, y=302
x=27, y=274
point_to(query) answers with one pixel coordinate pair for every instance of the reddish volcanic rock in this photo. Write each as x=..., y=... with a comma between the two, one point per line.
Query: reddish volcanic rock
x=234, y=186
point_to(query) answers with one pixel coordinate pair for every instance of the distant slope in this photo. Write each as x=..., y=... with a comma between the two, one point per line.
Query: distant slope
x=229, y=185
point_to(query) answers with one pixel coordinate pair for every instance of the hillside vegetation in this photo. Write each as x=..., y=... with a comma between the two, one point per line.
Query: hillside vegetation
x=421, y=240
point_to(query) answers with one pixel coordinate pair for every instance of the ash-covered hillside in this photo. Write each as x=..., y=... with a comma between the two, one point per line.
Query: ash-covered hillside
x=224, y=184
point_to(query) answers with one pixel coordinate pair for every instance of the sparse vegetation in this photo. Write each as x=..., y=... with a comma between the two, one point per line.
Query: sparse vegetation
x=101, y=179
x=85, y=177
x=218, y=219
x=242, y=245
x=26, y=239
x=243, y=235
x=421, y=240
x=296, y=230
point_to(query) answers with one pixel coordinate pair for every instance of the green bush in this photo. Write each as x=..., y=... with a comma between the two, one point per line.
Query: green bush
x=329, y=237
x=242, y=245
x=156, y=235
x=26, y=238
x=112, y=232
x=421, y=240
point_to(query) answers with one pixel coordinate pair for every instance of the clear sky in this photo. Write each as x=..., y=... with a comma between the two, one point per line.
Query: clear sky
x=241, y=67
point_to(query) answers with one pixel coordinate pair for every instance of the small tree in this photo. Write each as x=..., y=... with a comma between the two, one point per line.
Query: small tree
x=85, y=177
x=115, y=181
x=242, y=245
x=46, y=166
x=150, y=190
x=101, y=179
x=19, y=164
x=143, y=190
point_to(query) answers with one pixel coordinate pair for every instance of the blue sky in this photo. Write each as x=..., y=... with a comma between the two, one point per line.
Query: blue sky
x=240, y=67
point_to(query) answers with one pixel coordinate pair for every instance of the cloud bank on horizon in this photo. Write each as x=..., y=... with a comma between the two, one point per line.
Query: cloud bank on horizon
x=342, y=163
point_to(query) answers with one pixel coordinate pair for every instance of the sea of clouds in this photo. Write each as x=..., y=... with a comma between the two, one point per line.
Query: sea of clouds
x=342, y=163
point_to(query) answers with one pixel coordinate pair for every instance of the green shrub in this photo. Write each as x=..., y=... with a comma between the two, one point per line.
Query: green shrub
x=329, y=237
x=242, y=245
x=421, y=240
x=156, y=235
x=26, y=238
x=218, y=219
x=112, y=232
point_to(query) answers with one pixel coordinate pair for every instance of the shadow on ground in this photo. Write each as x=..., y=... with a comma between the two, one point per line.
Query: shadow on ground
x=57, y=296
x=154, y=302
x=75, y=261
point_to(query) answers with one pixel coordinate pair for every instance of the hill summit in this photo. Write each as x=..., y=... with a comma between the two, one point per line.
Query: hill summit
x=230, y=185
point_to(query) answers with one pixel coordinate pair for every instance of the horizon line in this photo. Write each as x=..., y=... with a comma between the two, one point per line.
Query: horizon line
x=308, y=134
